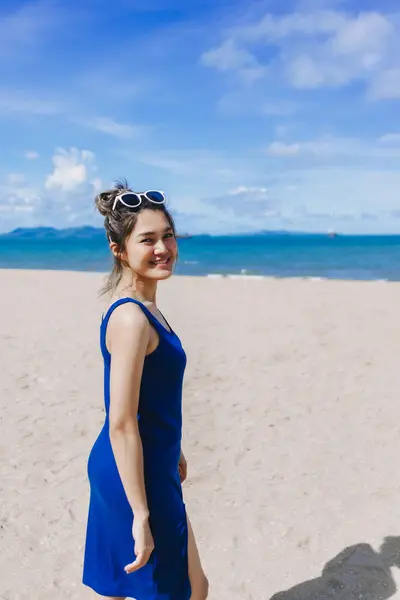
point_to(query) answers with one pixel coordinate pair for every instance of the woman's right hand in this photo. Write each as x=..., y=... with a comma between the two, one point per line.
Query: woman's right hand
x=144, y=544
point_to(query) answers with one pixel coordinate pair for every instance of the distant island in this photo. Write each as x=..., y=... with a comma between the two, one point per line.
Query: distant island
x=40, y=233
x=89, y=232
x=51, y=233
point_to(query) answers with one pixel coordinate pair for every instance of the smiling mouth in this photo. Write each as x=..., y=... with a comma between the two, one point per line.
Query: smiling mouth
x=161, y=262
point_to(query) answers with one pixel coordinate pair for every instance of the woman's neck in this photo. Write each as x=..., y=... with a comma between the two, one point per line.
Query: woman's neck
x=134, y=287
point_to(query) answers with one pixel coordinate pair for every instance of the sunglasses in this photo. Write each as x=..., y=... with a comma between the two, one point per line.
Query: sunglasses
x=134, y=200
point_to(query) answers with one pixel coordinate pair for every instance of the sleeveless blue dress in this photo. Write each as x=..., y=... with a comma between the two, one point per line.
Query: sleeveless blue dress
x=109, y=543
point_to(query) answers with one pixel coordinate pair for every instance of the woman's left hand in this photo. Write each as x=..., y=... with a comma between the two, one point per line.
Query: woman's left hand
x=182, y=467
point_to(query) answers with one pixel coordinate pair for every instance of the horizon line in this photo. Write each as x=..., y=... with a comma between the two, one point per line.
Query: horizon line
x=328, y=232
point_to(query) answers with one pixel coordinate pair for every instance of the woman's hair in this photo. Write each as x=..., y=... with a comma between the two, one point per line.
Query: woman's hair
x=120, y=222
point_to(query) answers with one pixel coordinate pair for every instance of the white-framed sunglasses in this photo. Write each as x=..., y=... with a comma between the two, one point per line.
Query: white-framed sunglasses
x=135, y=199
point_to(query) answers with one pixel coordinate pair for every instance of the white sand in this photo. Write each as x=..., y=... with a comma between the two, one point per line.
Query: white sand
x=292, y=430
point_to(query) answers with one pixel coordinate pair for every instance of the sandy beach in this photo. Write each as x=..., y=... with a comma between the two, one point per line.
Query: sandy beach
x=292, y=432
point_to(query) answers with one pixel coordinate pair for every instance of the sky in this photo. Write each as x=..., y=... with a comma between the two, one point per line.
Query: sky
x=250, y=115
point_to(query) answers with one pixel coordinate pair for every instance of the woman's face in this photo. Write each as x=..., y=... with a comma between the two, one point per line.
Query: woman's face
x=151, y=248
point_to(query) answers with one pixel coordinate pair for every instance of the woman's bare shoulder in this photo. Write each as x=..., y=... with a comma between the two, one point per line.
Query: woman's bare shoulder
x=127, y=322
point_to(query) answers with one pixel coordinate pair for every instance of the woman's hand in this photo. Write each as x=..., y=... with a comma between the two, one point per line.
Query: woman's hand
x=182, y=467
x=144, y=544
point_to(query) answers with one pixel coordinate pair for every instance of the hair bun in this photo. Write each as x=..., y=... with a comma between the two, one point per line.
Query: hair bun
x=104, y=202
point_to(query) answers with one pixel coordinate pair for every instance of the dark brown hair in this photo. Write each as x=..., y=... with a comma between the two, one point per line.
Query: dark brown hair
x=120, y=222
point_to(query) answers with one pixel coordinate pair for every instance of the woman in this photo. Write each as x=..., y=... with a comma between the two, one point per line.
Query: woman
x=139, y=541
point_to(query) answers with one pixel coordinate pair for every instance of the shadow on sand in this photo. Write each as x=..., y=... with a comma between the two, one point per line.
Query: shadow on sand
x=358, y=572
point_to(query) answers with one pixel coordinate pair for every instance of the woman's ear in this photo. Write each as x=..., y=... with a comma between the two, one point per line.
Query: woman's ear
x=116, y=250
x=114, y=247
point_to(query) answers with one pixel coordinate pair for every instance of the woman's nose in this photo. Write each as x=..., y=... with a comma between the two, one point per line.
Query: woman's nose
x=160, y=247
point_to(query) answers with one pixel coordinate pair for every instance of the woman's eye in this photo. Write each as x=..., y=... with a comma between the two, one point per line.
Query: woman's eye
x=150, y=241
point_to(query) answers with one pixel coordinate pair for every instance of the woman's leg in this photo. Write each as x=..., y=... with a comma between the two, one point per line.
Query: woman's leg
x=198, y=580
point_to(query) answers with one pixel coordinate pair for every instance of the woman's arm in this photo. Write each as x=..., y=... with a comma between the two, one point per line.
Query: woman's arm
x=127, y=341
x=182, y=467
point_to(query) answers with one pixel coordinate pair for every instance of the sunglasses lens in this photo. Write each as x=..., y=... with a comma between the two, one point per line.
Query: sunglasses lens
x=131, y=200
x=157, y=197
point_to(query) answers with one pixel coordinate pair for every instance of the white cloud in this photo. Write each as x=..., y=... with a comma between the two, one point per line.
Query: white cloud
x=190, y=163
x=355, y=51
x=366, y=35
x=390, y=138
x=336, y=147
x=243, y=189
x=112, y=127
x=314, y=49
x=25, y=205
x=304, y=193
x=304, y=72
x=272, y=28
x=282, y=149
x=360, y=191
x=70, y=169
x=31, y=155
x=315, y=199
x=230, y=57
x=248, y=202
x=15, y=179
x=26, y=26
x=344, y=32
x=18, y=201
x=17, y=101
x=218, y=210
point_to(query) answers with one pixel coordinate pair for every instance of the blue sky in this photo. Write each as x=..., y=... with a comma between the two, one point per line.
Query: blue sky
x=249, y=115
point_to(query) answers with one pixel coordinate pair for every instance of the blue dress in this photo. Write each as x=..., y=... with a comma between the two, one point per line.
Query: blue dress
x=109, y=542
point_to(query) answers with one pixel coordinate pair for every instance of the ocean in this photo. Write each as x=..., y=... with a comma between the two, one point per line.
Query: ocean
x=278, y=255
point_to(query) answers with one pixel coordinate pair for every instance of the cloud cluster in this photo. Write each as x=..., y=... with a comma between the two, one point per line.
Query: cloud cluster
x=340, y=148
x=229, y=56
x=19, y=201
x=112, y=127
x=325, y=48
x=302, y=147
x=65, y=196
x=71, y=168
x=241, y=209
x=246, y=202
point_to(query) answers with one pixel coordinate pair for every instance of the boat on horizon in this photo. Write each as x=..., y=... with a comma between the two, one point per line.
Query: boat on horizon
x=332, y=233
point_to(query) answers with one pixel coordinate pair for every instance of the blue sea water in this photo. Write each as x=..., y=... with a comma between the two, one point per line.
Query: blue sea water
x=294, y=255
